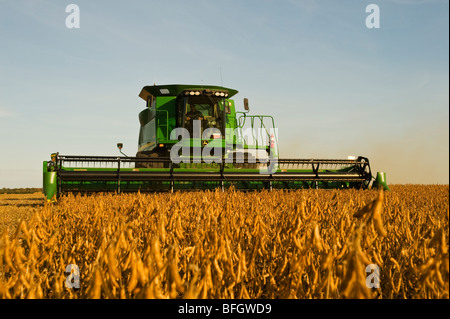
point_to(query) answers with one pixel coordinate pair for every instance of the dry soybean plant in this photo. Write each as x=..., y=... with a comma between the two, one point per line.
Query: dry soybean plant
x=307, y=244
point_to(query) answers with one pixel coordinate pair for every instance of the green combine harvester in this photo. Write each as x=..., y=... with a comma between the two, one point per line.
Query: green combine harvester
x=192, y=138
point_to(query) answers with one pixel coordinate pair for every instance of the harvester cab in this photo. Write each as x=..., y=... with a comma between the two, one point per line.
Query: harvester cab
x=186, y=121
x=192, y=137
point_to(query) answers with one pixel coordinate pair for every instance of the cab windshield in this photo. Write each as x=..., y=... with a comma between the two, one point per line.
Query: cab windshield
x=202, y=108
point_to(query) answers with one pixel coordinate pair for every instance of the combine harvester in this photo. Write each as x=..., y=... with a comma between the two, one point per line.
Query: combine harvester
x=192, y=138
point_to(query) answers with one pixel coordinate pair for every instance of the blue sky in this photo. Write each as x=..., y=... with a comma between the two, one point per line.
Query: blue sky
x=335, y=87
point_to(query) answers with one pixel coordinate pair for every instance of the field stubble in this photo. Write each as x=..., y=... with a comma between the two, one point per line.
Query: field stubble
x=300, y=244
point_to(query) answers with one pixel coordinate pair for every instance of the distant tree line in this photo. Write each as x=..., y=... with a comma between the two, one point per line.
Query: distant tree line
x=19, y=190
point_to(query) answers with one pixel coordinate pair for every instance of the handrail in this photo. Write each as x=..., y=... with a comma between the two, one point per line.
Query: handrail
x=242, y=119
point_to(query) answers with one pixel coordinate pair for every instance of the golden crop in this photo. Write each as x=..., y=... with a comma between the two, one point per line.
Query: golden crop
x=298, y=244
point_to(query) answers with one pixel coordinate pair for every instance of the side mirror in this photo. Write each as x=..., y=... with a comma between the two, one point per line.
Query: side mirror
x=120, y=146
x=246, y=104
x=149, y=101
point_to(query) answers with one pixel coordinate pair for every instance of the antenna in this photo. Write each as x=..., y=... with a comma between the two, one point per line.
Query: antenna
x=221, y=80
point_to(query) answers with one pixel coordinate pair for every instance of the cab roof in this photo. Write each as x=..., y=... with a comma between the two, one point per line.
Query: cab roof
x=176, y=89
